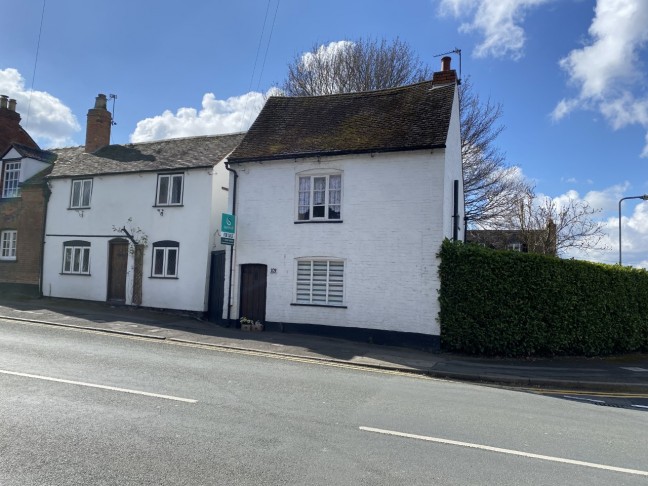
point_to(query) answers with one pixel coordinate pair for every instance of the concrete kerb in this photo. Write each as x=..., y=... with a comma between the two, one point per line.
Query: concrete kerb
x=493, y=379
x=412, y=371
x=88, y=328
x=543, y=383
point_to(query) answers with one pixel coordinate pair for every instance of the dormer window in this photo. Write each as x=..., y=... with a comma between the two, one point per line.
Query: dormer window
x=10, y=179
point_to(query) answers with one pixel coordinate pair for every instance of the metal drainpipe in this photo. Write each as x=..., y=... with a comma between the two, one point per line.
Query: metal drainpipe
x=455, y=216
x=231, y=253
x=47, y=192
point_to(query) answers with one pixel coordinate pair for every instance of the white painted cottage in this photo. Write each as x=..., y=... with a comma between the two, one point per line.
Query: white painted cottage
x=342, y=203
x=164, y=196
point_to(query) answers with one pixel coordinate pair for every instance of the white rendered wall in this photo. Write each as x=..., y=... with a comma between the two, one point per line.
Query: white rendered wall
x=115, y=199
x=453, y=171
x=391, y=232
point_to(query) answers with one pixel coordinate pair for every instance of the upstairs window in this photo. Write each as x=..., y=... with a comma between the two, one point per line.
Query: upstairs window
x=10, y=179
x=320, y=197
x=169, y=190
x=8, y=241
x=165, y=259
x=76, y=257
x=320, y=282
x=81, y=192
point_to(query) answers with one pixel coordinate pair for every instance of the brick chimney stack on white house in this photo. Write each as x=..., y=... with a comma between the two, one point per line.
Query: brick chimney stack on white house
x=98, y=125
x=447, y=74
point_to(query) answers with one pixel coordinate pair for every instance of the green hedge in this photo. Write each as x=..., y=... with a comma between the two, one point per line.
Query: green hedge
x=505, y=303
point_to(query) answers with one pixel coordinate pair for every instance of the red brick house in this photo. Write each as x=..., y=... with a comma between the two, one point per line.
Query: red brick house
x=23, y=202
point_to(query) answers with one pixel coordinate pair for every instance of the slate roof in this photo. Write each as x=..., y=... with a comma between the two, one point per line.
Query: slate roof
x=406, y=118
x=32, y=153
x=177, y=153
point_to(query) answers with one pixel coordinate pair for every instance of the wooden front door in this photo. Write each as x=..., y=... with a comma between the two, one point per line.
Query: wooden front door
x=117, y=268
x=253, y=291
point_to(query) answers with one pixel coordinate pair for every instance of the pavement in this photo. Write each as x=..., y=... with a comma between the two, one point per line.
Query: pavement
x=612, y=374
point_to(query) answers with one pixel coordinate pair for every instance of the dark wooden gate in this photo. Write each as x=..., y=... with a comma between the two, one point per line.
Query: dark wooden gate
x=216, y=287
x=117, y=268
x=253, y=291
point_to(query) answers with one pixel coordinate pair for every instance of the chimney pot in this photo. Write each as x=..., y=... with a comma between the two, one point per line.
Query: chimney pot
x=3, y=101
x=100, y=102
x=445, y=63
x=12, y=105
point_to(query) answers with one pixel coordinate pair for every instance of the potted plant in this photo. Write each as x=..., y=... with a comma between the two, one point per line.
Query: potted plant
x=250, y=325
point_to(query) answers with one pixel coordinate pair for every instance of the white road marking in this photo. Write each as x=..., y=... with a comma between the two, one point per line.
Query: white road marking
x=633, y=368
x=584, y=399
x=103, y=387
x=640, y=406
x=505, y=451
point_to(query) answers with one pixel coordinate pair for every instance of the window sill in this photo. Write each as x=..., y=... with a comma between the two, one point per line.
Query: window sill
x=168, y=206
x=165, y=278
x=8, y=260
x=320, y=305
x=78, y=208
x=76, y=274
x=324, y=221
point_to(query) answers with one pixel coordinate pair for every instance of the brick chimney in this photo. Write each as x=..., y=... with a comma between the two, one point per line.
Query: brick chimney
x=10, y=129
x=98, y=125
x=446, y=75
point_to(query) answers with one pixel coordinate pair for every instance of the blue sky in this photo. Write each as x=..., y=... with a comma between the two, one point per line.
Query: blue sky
x=570, y=74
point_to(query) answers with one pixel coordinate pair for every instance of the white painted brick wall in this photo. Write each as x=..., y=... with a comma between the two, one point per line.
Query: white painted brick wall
x=115, y=198
x=392, y=229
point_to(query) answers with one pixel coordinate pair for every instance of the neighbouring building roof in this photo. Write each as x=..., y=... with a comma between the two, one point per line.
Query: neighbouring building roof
x=410, y=117
x=31, y=152
x=11, y=131
x=176, y=153
x=541, y=241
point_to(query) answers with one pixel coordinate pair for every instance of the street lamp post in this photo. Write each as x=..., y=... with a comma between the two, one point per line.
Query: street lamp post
x=645, y=198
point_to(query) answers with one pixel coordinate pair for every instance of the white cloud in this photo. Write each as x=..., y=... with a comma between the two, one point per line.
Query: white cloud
x=607, y=71
x=234, y=114
x=328, y=51
x=497, y=20
x=49, y=121
x=634, y=228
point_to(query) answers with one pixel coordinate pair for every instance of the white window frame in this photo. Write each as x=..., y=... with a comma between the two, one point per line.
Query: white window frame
x=167, y=199
x=80, y=202
x=514, y=247
x=309, y=194
x=162, y=249
x=11, y=179
x=320, y=281
x=8, y=244
x=76, y=258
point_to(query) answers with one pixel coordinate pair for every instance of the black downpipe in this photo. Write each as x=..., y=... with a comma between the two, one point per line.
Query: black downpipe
x=47, y=192
x=455, y=216
x=231, y=252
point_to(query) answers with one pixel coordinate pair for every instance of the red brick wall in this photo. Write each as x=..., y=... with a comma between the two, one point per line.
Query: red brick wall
x=24, y=214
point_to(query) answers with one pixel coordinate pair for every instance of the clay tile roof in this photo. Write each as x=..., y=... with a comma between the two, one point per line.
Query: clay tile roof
x=12, y=132
x=406, y=118
x=176, y=153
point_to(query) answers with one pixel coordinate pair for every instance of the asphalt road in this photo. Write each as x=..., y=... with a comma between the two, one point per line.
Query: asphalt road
x=81, y=408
